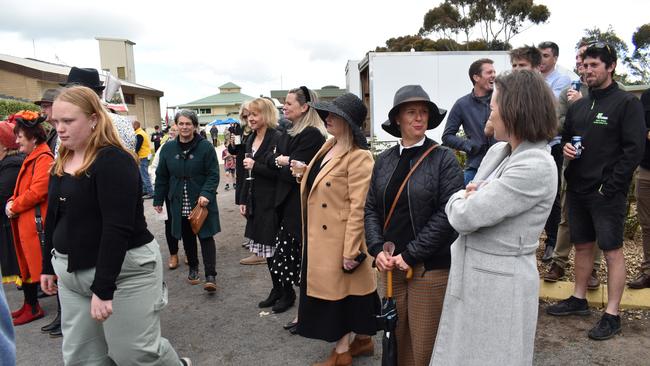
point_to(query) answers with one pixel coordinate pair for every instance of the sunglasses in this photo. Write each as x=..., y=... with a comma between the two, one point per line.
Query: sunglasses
x=601, y=46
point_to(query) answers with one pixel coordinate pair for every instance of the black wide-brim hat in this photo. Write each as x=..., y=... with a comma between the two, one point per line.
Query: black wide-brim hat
x=87, y=77
x=349, y=107
x=412, y=93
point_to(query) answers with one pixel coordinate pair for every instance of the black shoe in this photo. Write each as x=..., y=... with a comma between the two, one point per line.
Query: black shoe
x=56, y=332
x=210, y=284
x=193, y=277
x=548, y=253
x=606, y=328
x=56, y=323
x=294, y=330
x=274, y=296
x=286, y=301
x=290, y=325
x=570, y=306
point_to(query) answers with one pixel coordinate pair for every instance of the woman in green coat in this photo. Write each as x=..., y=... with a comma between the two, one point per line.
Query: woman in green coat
x=187, y=175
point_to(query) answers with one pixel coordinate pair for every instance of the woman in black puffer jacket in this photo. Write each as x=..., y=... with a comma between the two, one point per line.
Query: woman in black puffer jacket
x=418, y=226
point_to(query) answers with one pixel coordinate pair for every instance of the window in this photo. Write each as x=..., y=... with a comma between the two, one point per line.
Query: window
x=121, y=72
x=205, y=111
x=129, y=98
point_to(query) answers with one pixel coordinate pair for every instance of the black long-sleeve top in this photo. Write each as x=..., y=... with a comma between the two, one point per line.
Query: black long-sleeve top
x=106, y=217
x=613, y=132
x=302, y=147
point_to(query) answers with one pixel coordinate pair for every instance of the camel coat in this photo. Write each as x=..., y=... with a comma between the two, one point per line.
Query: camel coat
x=30, y=191
x=334, y=211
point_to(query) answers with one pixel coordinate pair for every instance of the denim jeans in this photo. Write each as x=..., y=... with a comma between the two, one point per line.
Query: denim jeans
x=469, y=174
x=144, y=176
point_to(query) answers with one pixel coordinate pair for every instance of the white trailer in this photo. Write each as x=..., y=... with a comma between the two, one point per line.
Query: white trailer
x=443, y=75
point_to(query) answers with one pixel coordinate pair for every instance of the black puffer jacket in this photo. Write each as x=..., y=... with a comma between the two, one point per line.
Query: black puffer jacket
x=435, y=180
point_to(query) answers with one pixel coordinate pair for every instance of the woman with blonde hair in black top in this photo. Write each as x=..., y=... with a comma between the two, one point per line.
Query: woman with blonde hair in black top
x=108, y=264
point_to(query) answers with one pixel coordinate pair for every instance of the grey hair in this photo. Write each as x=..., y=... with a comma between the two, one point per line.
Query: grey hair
x=187, y=114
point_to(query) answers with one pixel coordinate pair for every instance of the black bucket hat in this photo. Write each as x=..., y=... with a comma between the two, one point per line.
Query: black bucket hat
x=349, y=107
x=87, y=77
x=412, y=93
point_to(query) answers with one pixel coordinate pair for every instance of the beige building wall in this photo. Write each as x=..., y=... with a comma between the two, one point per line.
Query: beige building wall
x=117, y=53
x=21, y=86
x=146, y=108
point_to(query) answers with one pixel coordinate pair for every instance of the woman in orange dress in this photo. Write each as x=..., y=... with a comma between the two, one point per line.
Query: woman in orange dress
x=27, y=206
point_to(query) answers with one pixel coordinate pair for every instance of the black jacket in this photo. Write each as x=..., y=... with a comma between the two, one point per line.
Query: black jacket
x=108, y=216
x=240, y=173
x=435, y=180
x=613, y=132
x=9, y=168
x=301, y=147
x=259, y=194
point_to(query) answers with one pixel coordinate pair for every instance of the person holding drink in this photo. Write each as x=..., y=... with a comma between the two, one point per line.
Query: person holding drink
x=337, y=286
x=257, y=201
x=411, y=183
x=299, y=143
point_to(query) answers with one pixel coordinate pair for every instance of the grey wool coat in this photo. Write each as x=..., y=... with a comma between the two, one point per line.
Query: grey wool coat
x=489, y=314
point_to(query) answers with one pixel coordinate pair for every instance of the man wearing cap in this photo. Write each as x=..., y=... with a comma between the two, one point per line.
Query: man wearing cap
x=471, y=112
x=45, y=103
x=89, y=77
x=610, y=123
x=555, y=80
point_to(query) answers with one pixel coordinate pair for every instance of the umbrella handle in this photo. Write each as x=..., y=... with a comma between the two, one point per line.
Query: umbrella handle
x=409, y=274
x=389, y=284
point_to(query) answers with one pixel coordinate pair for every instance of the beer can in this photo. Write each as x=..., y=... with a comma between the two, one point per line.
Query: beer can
x=576, y=85
x=576, y=141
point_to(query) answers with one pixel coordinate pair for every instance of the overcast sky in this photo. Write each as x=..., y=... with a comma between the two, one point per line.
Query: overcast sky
x=188, y=48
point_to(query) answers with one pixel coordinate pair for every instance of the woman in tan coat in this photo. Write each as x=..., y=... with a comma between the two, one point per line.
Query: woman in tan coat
x=338, y=288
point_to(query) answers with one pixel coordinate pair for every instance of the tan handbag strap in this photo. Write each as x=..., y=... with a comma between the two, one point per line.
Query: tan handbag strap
x=401, y=188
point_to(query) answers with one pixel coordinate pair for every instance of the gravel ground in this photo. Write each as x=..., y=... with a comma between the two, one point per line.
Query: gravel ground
x=228, y=329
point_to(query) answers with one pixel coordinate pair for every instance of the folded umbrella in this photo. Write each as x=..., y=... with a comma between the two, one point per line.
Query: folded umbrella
x=387, y=320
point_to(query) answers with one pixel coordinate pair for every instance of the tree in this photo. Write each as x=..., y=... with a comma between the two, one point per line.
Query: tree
x=639, y=61
x=609, y=36
x=497, y=20
x=418, y=43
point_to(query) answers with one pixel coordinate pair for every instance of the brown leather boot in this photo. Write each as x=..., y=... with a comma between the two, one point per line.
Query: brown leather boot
x=362, y=347
x=594, y=281
x=555, y=272
x=336, y=359
x=173, y=261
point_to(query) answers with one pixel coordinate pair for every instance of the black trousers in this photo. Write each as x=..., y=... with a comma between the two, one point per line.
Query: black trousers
x=172, y=242
x=208, y=249
x=554, y=217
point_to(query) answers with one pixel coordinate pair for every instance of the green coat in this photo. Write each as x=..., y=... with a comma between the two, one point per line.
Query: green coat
x=200, y=167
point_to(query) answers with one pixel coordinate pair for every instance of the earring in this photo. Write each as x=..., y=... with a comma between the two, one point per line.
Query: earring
x=93, y=128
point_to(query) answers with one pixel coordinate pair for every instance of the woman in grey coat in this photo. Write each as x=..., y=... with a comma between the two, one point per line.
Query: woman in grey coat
x=490, y=311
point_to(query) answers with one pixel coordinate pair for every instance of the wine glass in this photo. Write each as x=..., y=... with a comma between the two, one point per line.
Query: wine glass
x=250, y=171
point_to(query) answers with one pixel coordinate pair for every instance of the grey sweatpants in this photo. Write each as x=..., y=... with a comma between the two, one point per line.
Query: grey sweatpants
x=131, y=335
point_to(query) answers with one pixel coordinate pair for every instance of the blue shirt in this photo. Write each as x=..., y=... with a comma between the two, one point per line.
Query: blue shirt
x=557, y=82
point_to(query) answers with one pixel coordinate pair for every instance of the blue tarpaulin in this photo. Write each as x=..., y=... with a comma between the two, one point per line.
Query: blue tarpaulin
x=220, y=122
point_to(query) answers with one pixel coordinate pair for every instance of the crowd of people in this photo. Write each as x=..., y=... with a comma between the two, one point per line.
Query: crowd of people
x=455, y=246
